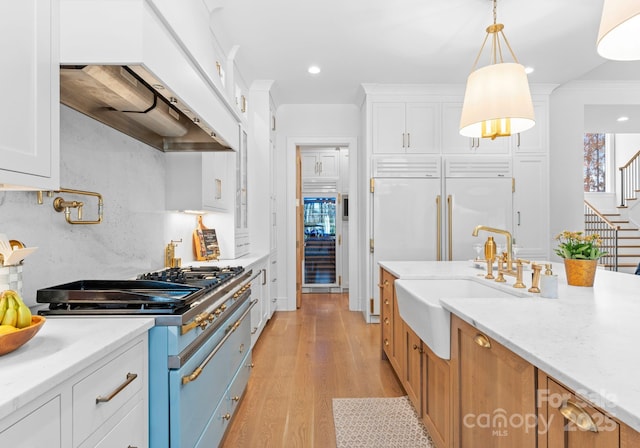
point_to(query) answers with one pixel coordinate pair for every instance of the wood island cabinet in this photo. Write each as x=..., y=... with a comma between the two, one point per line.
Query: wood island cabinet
x=424, y=376
x=494, y=392
x=392, y=327
x=584, y=426
x=412, y=375
x=436, y=397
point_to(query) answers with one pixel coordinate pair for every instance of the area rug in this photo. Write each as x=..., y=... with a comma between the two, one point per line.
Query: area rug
x=378, y=423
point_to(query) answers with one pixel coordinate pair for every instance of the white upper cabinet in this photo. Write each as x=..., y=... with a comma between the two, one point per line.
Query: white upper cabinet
x=30, y=116
x=408, y=128
x=320, y=163
x=199, y=181
x=535, y=139
x=454, y=143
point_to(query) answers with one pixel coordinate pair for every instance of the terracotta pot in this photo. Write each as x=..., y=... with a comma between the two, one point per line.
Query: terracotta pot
x=580, y=272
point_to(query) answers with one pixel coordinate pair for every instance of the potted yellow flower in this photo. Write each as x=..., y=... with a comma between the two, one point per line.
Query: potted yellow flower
x=581, y=253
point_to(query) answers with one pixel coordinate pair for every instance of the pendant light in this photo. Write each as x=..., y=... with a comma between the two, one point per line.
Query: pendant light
x=619, y=35
x=497, y=100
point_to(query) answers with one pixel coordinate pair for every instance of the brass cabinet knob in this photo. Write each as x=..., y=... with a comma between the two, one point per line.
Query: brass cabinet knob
x=386, y=342
x=482, y=341
x=235, y=398
x=227, y=416
x=386, y=320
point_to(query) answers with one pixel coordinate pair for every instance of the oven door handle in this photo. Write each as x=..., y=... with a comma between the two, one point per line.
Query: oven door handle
x=228, y=332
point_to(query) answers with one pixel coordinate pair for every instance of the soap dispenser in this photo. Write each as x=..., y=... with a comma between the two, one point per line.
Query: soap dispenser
x=549, y=283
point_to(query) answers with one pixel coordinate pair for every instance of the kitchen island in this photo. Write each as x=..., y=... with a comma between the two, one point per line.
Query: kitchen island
x=584, y=339
x=50, y=386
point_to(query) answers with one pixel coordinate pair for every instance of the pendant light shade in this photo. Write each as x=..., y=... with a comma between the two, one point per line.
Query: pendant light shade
x=619, y=35
x=497, y=100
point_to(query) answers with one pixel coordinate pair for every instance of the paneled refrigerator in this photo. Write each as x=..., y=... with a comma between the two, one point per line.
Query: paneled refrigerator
x=424, y=212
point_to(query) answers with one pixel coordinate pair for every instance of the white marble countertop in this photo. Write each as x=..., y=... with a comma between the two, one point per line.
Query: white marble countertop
x=585, y=338
x=62, y=347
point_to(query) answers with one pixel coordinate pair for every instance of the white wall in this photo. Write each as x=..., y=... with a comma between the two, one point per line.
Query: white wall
x=566, y=138
x=309, y=124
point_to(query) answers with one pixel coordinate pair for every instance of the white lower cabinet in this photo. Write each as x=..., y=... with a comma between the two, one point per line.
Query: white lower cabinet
x=130, y=431
x=259, y=291
x=104, y=405
x=46, y=418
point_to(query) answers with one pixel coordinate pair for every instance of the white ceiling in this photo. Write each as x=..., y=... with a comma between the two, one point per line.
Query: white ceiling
x=397, y=41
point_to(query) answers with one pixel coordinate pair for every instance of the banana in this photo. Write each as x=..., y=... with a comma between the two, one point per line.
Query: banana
x=11, y=315
x=3, y=306
x=23, y=313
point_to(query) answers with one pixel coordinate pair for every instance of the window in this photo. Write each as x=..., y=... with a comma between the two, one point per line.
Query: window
x=595, y=162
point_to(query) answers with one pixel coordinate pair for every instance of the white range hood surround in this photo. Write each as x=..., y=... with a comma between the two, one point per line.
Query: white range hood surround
x=130, y=33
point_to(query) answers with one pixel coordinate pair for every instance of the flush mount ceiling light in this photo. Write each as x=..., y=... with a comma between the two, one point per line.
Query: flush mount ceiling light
x=314, y=69
x=497, y=100
x=623, y=118
x=619, y=35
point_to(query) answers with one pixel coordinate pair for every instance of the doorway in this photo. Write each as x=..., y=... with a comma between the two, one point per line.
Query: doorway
x=321, y=257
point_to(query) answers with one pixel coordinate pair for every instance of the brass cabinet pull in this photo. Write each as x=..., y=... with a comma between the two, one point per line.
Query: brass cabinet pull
x=227, y=416
x=386, y=321
x=482, y=341
x=201, y=320
x=235, y=398
x=127, y=381
x=573, y=412
x=384, y=284
x=438, y=229
x=450, y=224
x=196, y=373
x=386, y=342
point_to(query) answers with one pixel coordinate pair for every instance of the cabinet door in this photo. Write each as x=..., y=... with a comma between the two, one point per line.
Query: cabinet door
x=454, y=143
x=411, y=379
x=531, y=204
x=495, y=390
x=329, y=163
x=436, y=397
x=217, y=191
x=389, y=131
x=40, y=428
x=561, y=432
x=421, y=128
x=386, y=312
x=29, y=142
x=533, y=140
x=310, y=164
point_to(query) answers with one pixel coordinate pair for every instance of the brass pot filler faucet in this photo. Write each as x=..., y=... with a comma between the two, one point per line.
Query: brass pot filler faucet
x=505, y=261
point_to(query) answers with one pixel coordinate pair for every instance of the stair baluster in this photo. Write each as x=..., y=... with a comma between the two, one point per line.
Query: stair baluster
x=595, y=222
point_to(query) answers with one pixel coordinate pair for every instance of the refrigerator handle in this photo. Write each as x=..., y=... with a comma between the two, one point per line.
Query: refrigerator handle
x=450, y=225
x=438, y=229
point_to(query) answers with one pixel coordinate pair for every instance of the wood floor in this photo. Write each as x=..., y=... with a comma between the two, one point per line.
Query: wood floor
x=303, y=360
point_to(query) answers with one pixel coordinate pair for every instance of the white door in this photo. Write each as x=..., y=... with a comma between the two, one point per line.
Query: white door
x=475, y=201
x=404, y=223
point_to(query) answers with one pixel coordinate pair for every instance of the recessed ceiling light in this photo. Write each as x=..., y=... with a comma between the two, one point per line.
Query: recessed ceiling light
x=623, y=119
x=314, y=69
x=529, y=70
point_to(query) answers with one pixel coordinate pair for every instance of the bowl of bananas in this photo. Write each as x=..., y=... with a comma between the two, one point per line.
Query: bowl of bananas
x=17, y=325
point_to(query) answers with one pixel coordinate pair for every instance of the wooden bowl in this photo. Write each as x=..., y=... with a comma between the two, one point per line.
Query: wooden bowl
x=12, y=341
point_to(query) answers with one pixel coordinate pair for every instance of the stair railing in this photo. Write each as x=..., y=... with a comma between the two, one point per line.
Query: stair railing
x=629, y=179
x=595, y=222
